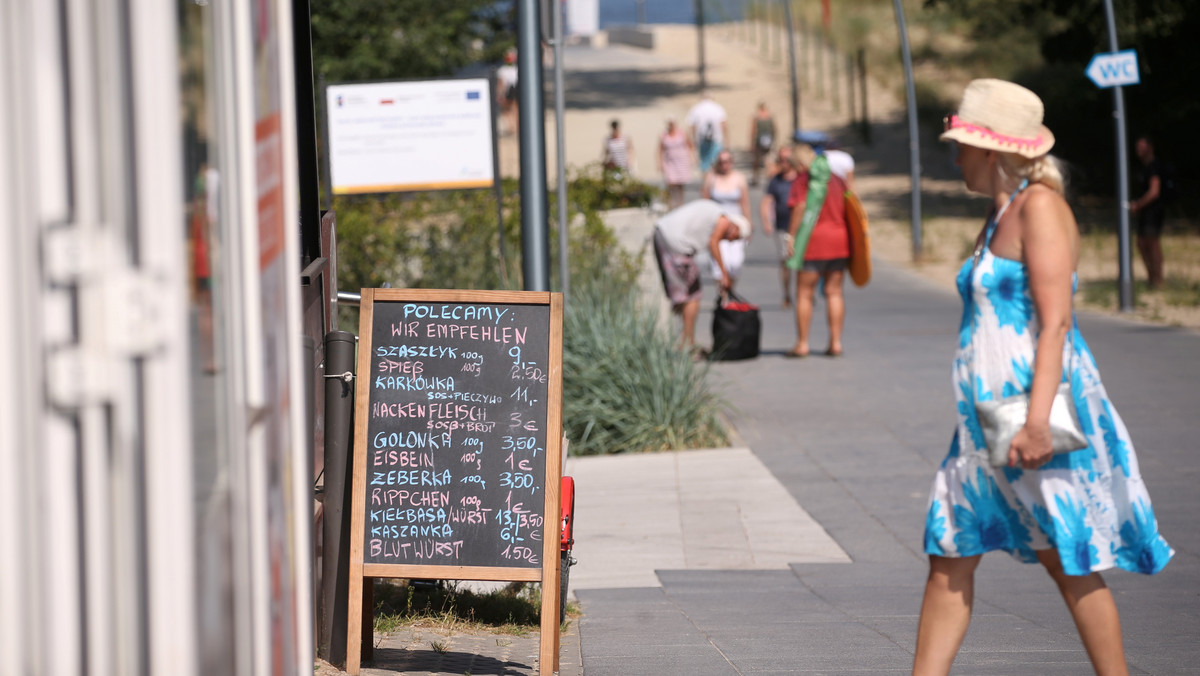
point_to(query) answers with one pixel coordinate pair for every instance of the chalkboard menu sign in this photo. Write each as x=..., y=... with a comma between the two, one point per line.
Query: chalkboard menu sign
x=457, y=436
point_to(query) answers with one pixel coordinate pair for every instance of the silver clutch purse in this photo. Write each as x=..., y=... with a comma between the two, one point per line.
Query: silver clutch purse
x=1002, y=419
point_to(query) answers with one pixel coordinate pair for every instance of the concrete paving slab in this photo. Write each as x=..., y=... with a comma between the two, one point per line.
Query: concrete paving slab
x=705, y=509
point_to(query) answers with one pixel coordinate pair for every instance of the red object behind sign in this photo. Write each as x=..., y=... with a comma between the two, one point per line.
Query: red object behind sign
x=567, y=536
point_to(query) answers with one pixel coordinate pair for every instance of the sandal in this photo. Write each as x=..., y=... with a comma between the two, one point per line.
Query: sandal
x=793, y=354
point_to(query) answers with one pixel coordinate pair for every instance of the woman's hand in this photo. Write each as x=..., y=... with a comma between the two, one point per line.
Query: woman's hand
x=1032, y=447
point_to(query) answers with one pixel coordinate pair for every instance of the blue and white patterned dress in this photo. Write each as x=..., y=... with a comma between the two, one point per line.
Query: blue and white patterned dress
x=1090, y=504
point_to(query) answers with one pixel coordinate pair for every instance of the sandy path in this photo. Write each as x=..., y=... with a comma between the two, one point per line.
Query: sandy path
x=644, y=87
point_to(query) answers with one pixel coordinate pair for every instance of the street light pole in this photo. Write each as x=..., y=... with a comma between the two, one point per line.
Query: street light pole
x=787, y=18
x=1125, y=273
x=564, y=272
x=535, y=240
x=700, y=43
x=914, y=140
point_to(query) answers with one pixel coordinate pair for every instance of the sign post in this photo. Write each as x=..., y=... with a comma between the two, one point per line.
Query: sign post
x=457, y=446
x=1116, y=69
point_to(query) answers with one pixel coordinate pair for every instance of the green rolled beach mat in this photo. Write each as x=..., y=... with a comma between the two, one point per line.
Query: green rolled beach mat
x=818, y=186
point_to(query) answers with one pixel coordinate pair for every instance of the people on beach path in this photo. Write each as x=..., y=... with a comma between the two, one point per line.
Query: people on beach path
x=679, y=235
x=709, y=127
x=762, y=139
x=727, y=187
x=618, y=149
x=1076, y=513
x=675, y=161
x=818, y=246
x=776, y=214
x=506, y=92
x=1150, y=210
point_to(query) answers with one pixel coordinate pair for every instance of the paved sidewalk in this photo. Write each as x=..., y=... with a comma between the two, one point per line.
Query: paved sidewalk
x=855, y=442
x=799, y=550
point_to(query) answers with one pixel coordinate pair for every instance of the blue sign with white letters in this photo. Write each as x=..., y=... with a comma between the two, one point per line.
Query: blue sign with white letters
x=1114, y=69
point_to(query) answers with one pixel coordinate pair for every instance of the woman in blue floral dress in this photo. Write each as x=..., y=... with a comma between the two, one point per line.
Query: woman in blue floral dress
x=1076, y=513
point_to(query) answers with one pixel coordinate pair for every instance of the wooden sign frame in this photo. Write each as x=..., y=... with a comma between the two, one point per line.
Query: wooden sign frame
x=360, y=613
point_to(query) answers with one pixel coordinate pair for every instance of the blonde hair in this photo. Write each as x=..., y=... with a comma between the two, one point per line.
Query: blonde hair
x=803, y=156
x=1046, y=169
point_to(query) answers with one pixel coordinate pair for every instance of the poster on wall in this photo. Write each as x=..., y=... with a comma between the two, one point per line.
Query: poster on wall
x=406, y=136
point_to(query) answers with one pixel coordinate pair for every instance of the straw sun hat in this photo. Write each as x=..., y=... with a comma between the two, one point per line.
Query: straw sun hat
x=999, y=115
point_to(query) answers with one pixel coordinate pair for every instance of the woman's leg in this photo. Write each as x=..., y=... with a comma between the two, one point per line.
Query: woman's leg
x=806, y=287
x=675, y=195
x=836, y=304
x=1095, y=613
x=785, y=276
x=945, y=613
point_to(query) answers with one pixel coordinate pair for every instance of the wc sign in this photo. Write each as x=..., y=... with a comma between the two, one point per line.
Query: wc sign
x=1114, y=69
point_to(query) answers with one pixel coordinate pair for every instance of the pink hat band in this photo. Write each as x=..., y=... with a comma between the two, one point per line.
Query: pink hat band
x=1018, y=143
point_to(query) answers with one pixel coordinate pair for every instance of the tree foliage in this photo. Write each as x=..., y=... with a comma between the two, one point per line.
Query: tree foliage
x=1066, y=34
x=355, y=40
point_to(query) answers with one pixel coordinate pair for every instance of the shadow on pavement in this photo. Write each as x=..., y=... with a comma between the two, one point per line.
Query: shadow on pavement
x=626, y=88
x=405, y=661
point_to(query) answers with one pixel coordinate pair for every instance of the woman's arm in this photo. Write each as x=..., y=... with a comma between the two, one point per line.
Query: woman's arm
x=714, y=249
x=706, y=186
x=745, y=201
x=766, y=212
x=1048, y=247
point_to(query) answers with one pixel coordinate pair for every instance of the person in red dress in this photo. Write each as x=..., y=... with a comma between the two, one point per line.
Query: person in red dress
x=825, y=259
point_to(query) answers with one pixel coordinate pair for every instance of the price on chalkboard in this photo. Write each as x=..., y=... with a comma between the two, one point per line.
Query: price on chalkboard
x=456, y=435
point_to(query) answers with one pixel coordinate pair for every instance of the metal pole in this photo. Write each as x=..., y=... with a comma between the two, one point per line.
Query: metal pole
x=306, y=135
x=850, y=103
x=914, y=140
x=535, y=246
x=1125, y=281
x=564, y=272
x=791, y=44
x=335, y=564
x=820, y=46
x=865, y=129
x=497, y=182
x=700, y=44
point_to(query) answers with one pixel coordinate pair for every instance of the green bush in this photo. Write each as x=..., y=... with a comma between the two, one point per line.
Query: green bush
x=627, y=387
x=451, y=240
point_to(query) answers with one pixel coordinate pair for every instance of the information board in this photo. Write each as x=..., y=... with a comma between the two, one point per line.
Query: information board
x=403, y=136
x=457, y=451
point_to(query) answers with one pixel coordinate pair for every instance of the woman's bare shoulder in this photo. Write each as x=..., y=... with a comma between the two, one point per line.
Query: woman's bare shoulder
x=1043, y=204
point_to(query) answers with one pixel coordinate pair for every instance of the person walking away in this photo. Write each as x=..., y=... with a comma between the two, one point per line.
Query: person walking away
x=818, y=246
x=675, y=162
x=776, y=215
x=727, y=187
x=618, y=150
x=1075, y=513
x=708, y=123
x=679, y=235
x=1150, y=210
x=506, y=92
x=762, y=139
